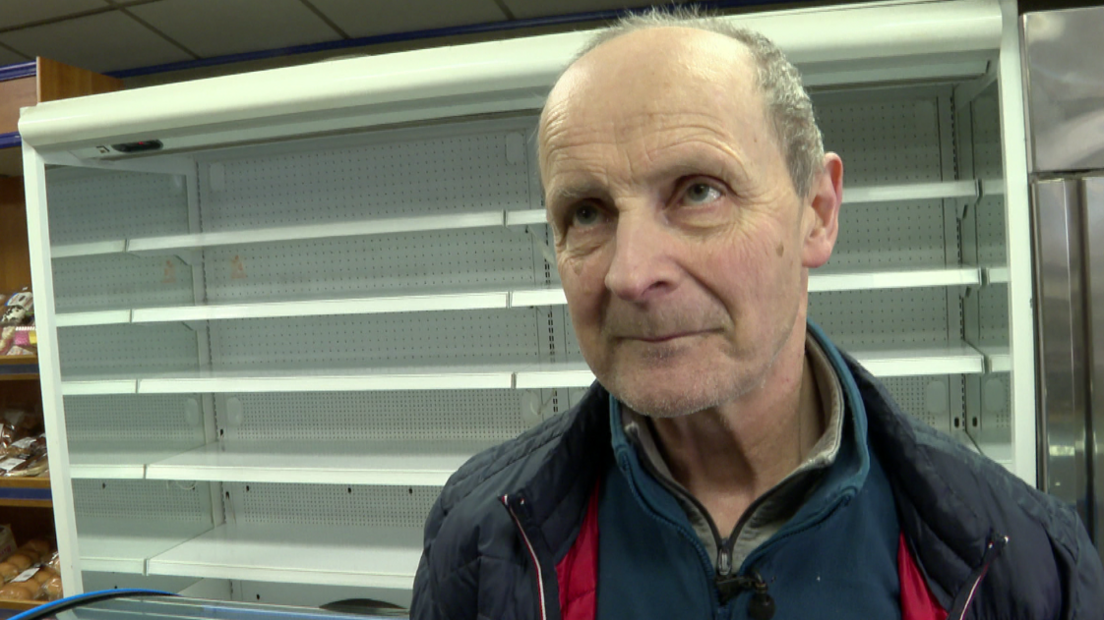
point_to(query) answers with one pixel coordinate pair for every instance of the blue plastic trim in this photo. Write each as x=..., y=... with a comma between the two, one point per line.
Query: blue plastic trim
x=49, y=609
x=414, y=35
x=19, y=70
x=24, y=494
x=19, y=369
x=8, y=140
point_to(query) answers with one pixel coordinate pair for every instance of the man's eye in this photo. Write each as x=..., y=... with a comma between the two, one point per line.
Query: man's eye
x=586, y=215
x=701, y=193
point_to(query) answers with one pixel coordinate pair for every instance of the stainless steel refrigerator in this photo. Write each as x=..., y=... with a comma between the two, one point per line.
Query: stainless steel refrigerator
x=1064, y=95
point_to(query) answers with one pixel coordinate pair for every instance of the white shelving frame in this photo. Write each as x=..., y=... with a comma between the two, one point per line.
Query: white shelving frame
x=953, y=42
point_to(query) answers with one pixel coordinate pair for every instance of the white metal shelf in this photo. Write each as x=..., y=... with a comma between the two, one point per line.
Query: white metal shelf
x=474, y=377
x=114, y=460
x=125, y=546
x=174, y=244
x=399, y=463
x=851, y=196
x=426, y=301
x=995, y=275
x=952, y=359
x=376, y=557
x=998, y=358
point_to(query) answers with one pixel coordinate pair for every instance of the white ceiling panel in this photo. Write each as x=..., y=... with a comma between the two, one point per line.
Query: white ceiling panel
x=525, y=9
x=19, y=12
x=103, y=42
x=10, y=58
x=219, y=27
x=364, y=19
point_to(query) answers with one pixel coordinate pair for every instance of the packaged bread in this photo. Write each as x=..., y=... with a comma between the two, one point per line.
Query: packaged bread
x=21, y=561
x=42, y=547
x=8, y=571
x=51, y=589
x=18, y=592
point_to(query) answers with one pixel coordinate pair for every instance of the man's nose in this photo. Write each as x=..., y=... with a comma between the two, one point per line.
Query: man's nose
x=641, y=268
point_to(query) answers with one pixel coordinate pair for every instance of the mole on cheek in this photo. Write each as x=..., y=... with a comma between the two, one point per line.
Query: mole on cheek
x=781, y=249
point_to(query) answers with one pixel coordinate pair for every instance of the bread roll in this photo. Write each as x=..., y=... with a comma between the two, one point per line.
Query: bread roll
x=40, y=546
x=21, y=561
x=8, y=571
x=15, y=591
x=52, y=589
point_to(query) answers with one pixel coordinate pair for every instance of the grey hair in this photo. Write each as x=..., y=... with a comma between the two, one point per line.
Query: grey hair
x=779, y=82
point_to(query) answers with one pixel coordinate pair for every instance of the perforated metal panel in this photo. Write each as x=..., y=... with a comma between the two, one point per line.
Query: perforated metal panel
x=931, y=399
x=487, y=257
x=887, y=236
x=880, y=143
x=141, y=349
x=85, y=205
x=882, y=318
x=352, y=416
x=457, y=169
x=141, y=499
x=364, y=506
x=491, y=336
x=120, y=281
x=156, y=420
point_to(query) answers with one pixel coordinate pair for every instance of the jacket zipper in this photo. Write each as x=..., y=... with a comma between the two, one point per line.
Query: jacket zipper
x=993, y=549
x=532, y=554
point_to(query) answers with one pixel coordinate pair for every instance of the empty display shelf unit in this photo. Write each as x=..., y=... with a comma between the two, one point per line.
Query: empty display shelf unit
x=268, y=343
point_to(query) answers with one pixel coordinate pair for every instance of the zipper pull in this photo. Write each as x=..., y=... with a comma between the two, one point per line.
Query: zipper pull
x=724, y=561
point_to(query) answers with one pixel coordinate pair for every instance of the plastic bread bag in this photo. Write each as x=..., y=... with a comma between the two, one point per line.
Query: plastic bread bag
x=35, y=466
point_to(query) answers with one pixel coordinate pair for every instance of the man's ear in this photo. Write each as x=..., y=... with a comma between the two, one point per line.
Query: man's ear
x=820, y=219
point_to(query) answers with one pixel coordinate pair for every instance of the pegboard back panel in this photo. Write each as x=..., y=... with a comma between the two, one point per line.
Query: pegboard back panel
x=115, y=281
x=385, y=264
x=885, y=142
x=993, y=314
x=462, y=337
x=932, y=399
x=889, y=236
x=364, y=416
x=322, y=505
x=153, y=500
x=108, y=349
x=394, y=173
x=156, y=420
x=883, y=318
x=99, y=205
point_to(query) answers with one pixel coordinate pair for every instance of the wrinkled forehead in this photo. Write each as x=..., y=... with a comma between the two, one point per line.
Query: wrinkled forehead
x=651, y=83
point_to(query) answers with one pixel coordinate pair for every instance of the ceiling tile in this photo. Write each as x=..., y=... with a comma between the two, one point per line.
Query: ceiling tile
x=364, y=19
x=219, y=27
x=526, y=9
x=104, y=42
x=19, y=12
x=11, y=58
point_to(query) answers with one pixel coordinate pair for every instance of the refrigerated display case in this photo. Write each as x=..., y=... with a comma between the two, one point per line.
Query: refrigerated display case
x=280, y=309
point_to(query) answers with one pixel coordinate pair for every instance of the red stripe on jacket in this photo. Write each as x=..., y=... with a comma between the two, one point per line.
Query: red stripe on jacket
x=577, y=574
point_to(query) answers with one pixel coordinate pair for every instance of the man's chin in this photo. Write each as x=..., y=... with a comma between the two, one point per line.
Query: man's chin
x=664, y=396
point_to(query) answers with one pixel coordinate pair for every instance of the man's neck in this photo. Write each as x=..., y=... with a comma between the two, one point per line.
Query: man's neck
x=728, y=456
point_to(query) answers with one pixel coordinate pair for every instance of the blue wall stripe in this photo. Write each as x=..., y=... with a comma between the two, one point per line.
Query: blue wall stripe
x=419, y=34
x=8, y=140
x=16, y=71
x=15, y=493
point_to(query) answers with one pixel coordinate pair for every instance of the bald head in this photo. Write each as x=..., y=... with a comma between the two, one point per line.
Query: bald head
x=703, y=45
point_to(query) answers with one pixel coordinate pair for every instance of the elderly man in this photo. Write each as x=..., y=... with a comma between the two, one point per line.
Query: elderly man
x=730, y=462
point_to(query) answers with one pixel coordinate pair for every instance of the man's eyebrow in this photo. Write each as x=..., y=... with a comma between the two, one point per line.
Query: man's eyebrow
x=570, y=192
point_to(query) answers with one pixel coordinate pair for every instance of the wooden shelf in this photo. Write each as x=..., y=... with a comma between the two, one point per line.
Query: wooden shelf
x=18, y=367
x=25, y=492
x=6, y=603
